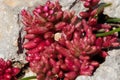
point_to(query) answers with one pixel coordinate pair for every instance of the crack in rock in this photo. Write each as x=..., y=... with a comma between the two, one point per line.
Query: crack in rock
x=73, y=4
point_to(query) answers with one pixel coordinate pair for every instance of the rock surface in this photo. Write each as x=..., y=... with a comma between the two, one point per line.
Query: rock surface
x=11, y=30
x=114, y=9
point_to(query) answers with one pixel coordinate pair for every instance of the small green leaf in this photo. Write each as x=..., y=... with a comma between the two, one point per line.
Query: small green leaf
x=29, y=78
x=108, y=33
x=113, y=20
x=101, y=7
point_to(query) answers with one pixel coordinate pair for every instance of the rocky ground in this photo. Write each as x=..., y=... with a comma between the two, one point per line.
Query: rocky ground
x=11, y=34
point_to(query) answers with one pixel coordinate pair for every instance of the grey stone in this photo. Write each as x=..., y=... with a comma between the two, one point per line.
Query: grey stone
x=114, y=9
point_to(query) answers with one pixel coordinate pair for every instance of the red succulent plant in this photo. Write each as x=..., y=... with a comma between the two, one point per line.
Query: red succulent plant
x=60, y=46
x=7, y=71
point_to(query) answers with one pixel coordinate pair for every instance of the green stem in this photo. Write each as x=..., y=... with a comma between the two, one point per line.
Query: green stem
x=29, y=78
x=113, y=20
x=102, y=6
x=108, y=33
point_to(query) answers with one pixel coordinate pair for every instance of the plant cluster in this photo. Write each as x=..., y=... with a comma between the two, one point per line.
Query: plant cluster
x=7, y=71
x=62, y=46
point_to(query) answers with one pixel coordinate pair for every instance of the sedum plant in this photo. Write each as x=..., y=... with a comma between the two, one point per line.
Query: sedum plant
x=7, y=71
x=61, y=46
